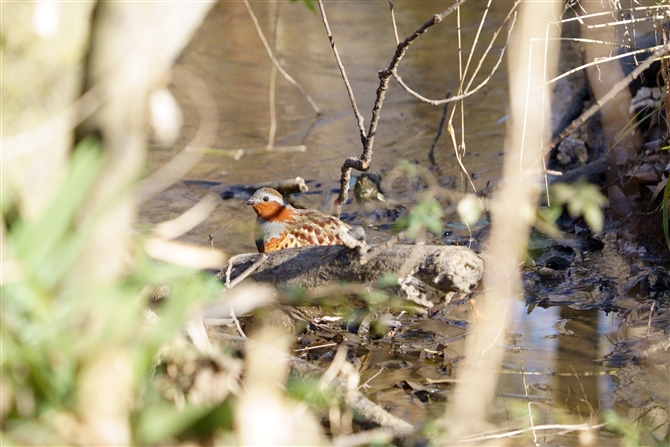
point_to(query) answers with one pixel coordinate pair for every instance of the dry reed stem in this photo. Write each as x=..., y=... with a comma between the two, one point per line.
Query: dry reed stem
x=468, y=92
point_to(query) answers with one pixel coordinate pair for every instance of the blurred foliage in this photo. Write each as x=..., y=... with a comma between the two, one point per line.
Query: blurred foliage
x=308, y=3
x=581, y=199
x=630, y=431
x=426, y=215
x=77, y=356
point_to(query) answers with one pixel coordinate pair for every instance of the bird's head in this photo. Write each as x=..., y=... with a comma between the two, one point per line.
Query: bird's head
x=267, y=203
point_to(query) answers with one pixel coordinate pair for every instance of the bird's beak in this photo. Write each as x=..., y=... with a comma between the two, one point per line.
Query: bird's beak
x=251, y=201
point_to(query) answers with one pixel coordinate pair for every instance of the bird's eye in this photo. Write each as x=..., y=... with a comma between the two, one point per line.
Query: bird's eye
x=266, y=198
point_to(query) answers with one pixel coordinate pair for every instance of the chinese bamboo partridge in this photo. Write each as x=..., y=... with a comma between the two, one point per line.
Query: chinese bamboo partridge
x=279, y=225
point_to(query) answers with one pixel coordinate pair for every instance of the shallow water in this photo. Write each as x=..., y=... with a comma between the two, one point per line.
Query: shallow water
x=228, y=56
x=563, y=375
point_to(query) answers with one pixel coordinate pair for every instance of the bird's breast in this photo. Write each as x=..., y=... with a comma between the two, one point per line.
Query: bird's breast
x=272, y=229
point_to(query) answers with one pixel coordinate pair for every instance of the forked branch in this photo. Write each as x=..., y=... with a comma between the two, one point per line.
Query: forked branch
x=363, y=162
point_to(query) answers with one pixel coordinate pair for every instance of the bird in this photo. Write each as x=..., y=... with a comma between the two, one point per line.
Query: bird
x=279, y=225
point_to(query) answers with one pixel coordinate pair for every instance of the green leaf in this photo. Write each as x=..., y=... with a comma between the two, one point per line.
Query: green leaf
x=427, y=214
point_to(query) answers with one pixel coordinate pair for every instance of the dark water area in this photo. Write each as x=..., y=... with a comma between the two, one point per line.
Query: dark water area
x=562, y=359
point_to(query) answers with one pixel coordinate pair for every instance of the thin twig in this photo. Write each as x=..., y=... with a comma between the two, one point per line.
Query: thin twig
x=309, y=348
x=371, y=378
x=237, y=323
x=230, y=284
x=379, y=249
x=350, y=92
x=581, y=18
x=616, y=88
x=651, y=312
x=459, y=159
x=395, y=27
x=530, y=409
x=58, y=125
x=563, y=428
x=598, y=62
x=276, y=63
x=468, y=92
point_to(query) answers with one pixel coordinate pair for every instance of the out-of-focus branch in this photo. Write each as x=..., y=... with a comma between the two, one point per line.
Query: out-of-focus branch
x=133, y=63
x=512, y=210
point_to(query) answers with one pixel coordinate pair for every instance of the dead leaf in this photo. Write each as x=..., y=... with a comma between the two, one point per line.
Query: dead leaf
x=619, y=203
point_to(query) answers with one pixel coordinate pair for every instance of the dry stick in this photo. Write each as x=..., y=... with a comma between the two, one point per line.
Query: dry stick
x=61, y=123
x=363, y=163
x=459, y=159
x=237, y=322
x=459, y=150
x=510, y=15
x=350, y=92
x=618, y=87
x=381, y=248
x=231, y=262
x=395, y=27
x=274, y=60
x=303, y=369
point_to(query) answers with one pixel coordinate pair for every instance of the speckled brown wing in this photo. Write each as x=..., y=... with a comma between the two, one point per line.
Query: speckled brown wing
x=314, y=228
